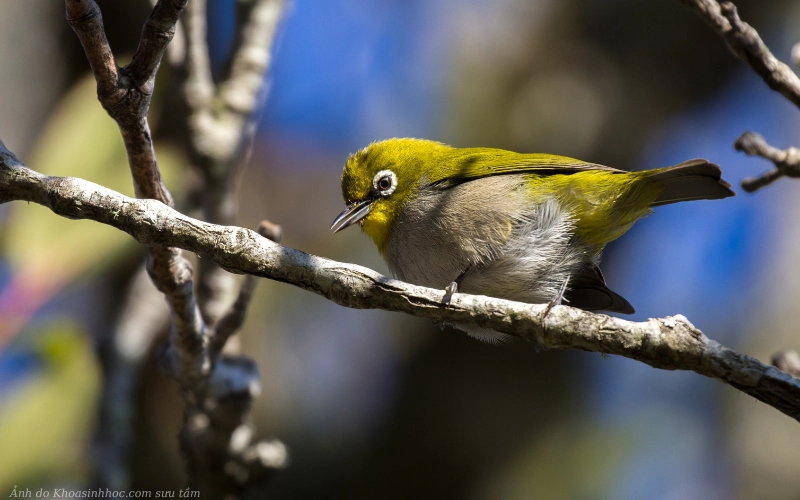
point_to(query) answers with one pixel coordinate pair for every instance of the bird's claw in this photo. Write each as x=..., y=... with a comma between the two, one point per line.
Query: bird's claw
x=449, y=291
x=557, y=300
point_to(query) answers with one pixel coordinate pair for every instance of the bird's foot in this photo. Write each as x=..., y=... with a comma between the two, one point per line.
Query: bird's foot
x=449, y=291
x=556, y=301
x=452, y=288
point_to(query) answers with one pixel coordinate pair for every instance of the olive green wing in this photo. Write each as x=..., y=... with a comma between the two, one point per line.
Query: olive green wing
x=465, y=165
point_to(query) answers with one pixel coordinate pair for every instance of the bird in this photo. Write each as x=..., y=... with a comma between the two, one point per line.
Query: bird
x=528, y=227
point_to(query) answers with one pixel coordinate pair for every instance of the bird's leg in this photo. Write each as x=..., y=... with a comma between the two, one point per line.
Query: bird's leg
x=449, y=290
x=452, y=288
x=560, y=295
x=556, y=301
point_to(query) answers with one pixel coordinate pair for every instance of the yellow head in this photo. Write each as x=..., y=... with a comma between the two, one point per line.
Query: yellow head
x=380, y=179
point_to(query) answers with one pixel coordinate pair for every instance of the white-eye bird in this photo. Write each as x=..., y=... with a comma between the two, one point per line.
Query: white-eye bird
x=524, y=227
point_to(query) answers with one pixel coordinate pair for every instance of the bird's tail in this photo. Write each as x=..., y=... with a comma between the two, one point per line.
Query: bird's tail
x=691, y=180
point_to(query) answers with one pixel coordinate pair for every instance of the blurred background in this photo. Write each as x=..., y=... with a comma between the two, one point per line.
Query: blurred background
x=374, y=404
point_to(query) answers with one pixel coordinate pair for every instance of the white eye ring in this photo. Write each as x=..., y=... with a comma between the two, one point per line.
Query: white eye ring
x=379, y=177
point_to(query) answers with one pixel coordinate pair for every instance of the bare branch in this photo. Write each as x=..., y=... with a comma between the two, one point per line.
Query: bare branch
x=147, y=181
x=233, y=320
x=209, y=382
x=172, y=275
x=787, y=161
x=125, y=93
x=87, y=22
x=250, y=62
x=670, y=343
x=198, y=89
x=176, y=50
x=215, y=287
x=157, y=32
x=128, y=106
x=221, y=126
x=217, y=137
x=747, y=45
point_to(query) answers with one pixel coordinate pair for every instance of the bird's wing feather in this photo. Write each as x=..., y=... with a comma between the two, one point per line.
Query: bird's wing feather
x=588, y=291
x=476, y=163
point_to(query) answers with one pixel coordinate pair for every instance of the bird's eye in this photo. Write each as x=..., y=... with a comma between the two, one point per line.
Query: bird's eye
x=385, y=182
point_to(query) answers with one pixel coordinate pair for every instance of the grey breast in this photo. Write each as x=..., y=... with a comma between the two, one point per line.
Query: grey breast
x=509, y=246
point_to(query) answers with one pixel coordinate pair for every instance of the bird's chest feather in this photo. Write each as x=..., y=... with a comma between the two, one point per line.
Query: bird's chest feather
x=488, y=227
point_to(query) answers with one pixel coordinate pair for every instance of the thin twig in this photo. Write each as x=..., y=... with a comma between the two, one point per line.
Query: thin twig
x=787, y=161
x=216, y=137
x=158, y=30
x=746, y=44
x=671, y=343
x=176, y=50
x=87, y=22
x=198, y=88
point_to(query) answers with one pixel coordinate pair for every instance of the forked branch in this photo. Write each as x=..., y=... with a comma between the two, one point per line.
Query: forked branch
x=747, y=45
x=787, y=161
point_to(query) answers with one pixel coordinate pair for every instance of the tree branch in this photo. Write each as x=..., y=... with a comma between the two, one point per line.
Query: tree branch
x=233, y=320
x=671, y=343
x=126, y=96
x=199, y=85
x=215, y=286
x=240, y=91
x=787, y=161
x=176, y=50
x=218, y=434
x=125, y=93
x=747, y=45
x=207, y=380
x=217, y=137
x=87, y=22
x=220, y=125
x=157, y=32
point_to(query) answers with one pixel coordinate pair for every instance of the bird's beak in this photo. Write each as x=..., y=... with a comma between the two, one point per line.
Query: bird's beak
x=350, y=215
